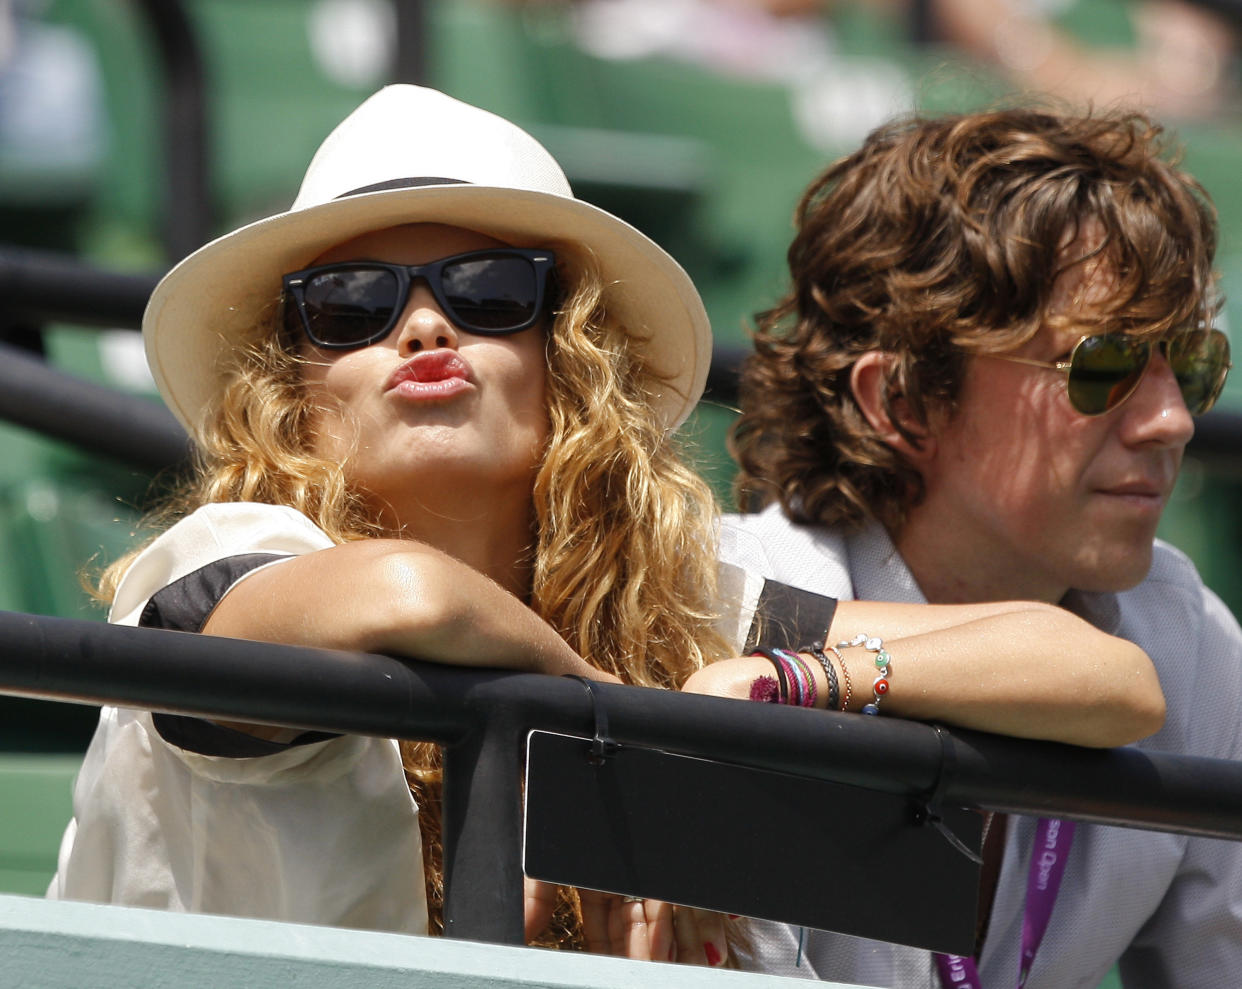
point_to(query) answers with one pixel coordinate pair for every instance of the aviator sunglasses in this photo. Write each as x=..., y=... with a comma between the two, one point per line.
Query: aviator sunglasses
x=1105, y=369
x=352, y=304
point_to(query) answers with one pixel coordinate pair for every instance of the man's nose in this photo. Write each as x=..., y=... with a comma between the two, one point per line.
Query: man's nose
x=1156, y=414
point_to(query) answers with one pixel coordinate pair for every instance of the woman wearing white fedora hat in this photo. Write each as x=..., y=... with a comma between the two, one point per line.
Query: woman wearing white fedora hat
x=434, y=404
x=414, y=437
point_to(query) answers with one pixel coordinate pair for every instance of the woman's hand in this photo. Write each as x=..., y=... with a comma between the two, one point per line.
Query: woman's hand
x=652, y=930
x=539, y=901
x=628, y=927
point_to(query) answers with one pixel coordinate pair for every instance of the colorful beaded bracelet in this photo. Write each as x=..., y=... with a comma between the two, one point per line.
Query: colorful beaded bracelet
x=845, y=675
x=883, y=664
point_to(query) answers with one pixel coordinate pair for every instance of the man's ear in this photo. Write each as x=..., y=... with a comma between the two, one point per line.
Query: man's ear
x=870, y=380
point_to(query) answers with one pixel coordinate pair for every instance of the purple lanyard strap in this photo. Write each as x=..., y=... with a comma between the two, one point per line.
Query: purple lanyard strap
x=1053, y=839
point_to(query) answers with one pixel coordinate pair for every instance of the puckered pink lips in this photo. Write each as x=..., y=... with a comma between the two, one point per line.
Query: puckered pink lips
x=431, y=374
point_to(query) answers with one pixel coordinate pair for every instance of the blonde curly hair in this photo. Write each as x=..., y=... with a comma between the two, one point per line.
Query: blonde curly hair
x=624, y=558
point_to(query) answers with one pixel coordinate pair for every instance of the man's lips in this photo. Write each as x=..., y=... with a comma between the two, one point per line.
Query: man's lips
x=432, y=373
x=1152, y=490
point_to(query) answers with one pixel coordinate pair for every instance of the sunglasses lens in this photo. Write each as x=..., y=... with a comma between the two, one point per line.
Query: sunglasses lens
x=495, y=294
x=1200, y=360
x=1105, y=370
x=356, y=303
x=349, y=306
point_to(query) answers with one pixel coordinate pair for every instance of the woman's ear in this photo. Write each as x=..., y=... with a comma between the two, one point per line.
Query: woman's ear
x=871, y=382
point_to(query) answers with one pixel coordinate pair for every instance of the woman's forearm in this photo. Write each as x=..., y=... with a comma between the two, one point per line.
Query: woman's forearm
x=396, y=597
x=1024, y=669
x=1029, y=670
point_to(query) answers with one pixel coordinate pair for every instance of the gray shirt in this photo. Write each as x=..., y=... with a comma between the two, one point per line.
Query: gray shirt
x=1166, y=907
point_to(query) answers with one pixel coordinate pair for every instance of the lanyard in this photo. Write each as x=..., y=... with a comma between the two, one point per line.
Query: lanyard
x=1053, y=839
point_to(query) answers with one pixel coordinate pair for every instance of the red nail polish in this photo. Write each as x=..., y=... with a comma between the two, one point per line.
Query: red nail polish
x=713, y=956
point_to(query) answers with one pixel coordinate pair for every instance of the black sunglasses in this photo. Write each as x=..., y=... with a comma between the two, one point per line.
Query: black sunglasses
x=356, y=303
x=1105, y=369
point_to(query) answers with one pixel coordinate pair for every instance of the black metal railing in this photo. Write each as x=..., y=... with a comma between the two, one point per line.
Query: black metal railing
x=185, y=194
x=481, y=718
x=102, y=420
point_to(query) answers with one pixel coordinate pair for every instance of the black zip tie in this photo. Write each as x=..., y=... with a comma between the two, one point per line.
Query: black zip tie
x=602, y=745
x=928, y=810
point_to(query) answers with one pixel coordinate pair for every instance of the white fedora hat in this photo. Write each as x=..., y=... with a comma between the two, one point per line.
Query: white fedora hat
x=410, y=155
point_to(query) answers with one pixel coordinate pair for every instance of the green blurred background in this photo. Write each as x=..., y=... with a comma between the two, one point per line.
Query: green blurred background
x=709, y=163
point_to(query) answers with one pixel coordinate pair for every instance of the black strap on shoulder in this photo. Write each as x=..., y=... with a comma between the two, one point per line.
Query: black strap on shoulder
x=209, y=738
x=185, y=604
x=789, y=617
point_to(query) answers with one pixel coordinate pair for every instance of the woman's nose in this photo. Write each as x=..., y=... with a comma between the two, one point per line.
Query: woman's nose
x=423, y=324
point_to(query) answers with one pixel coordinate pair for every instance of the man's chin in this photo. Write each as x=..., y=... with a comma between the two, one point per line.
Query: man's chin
x=1121, y=573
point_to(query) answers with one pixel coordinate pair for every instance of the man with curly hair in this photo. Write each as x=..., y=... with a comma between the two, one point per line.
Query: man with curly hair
x=979, y=387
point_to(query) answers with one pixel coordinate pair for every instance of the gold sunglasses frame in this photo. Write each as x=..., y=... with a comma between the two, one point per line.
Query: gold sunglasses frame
x=1066, y=367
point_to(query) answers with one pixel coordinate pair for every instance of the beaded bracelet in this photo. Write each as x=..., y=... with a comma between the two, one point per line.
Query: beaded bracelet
x=816, y=649
x=880, y=685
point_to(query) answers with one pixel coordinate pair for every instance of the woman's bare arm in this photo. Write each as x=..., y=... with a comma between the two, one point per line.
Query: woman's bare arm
x=398, y=597
x=1024, y=669
x=395, y=597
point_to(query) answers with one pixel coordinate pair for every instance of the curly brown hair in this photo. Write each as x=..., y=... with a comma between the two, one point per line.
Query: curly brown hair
x=937, y=240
